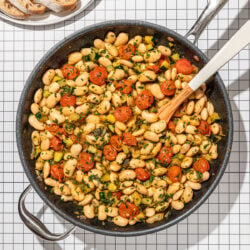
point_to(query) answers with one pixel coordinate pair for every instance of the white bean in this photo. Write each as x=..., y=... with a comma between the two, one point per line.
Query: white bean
x=88, y=211
x=35, y=123
x=48, y=76
x=74, y=57
x=56, y=116
x=120, y=221
x=121, y=39
x=147, y=76
x=82, y=79
x=47, y=155
x=38, y=95
x=69, y=167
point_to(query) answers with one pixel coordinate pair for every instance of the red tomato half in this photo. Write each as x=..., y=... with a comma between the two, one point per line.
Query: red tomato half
x=168, y=88
x=56, y=144
x=109, y=153
x=171, y=126
x=125, y=86
x=184, y=66
x=128, y=210
x=126, y=51
x=85, y=162
x=201, y=165
x=52, y=127
x=70, y=72
x=117, y=194
x=56, y=171
x=123, y=114
x=165, y=155
x=129, y=139
x=142, y=174
x=154, y=68
x=116, y=142
x=68, y=100
x=204, y=128
x=98, y=75
x=144, y=100
x=174, y=173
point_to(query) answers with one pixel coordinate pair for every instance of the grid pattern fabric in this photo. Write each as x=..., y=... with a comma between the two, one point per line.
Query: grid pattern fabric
x=222, y=222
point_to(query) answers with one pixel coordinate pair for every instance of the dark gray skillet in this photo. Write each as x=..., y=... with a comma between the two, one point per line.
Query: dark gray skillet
x=56, y=57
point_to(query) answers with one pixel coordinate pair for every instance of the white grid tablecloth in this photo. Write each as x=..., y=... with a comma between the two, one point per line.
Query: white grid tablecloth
x=223, y=222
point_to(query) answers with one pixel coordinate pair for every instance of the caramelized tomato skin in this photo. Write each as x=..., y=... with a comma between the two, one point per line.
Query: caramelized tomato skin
x=128, y=210
x=70, y=72
x=201, y=165
x=184, y=66
x=123, y=114
x=85, y=162
x=56, y=171
x=165, y=155
x=174, y=173
x=144, y=100
x=98, y=75
x=142, y=174
x=109, y=153
x=129, y=139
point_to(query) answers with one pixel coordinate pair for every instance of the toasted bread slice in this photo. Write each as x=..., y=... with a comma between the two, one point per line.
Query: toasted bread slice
x=58, y=5
x=10, y=10
x=29, y=6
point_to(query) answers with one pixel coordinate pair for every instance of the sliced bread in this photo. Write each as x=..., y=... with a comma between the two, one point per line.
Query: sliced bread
x=58, y=5
x=29, y=6
x=10, y=10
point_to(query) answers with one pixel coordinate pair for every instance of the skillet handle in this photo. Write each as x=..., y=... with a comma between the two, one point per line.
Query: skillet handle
x=34, y=224
x=212, y=8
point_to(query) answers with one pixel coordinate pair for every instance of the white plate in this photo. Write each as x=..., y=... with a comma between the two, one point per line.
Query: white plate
x=50, y=17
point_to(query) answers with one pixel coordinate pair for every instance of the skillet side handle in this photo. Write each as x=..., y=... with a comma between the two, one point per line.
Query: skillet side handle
x=34, y=224
x=212, y=8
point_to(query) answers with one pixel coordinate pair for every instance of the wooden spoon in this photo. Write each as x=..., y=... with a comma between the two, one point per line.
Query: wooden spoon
x=240, y=39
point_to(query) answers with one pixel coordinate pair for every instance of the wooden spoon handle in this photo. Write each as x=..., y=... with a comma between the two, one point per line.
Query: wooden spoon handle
x=239, y=40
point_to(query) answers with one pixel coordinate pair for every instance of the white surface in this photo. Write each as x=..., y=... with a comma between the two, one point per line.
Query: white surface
x=222, y=222
x=50, y=17
x=233, y=46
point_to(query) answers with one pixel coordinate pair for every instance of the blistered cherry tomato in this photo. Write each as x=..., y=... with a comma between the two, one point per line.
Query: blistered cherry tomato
x=171, y=126
x=85, y=162
x=56, y=171
x=125, y=86
x=142, y=174
x=165, y=155
x=128, y=210
x=109, y=153
x=168, y=88
x=123, y=114
x=126, y=51
x=68, y=100
x=56, y=144
x=129, y=139
x=184, y=66
x=174, y=173
x=154, y=68
x=144, y=100
x=201, y=165
x=204, y=128
x=98, y=75
x=70, y=72
x=116, y=142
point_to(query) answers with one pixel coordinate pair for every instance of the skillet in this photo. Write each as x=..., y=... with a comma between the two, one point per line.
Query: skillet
x=56, y=57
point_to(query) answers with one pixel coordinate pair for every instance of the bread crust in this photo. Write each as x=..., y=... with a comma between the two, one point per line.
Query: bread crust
x=58, y=5
x=10, y=10
x=29, y=6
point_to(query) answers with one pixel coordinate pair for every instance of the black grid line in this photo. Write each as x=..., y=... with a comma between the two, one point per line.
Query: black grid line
x=222, y=222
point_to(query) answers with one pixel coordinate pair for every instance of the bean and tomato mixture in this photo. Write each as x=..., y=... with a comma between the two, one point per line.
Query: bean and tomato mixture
x=98, y=140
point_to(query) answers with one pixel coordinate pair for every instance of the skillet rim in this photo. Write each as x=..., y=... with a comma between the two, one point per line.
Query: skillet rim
x=21, y=106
